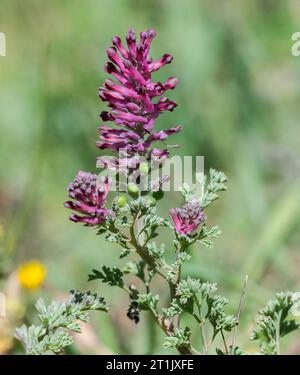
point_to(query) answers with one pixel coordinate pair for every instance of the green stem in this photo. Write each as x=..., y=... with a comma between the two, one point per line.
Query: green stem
x=144, y=254
x=224, y=341
x=183, y=350
x=142, y=250
x=278, y=334
x=202, y=326
x=176, y=320
x=151, y=334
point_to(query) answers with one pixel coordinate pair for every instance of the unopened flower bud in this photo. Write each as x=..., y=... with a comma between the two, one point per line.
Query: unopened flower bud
x=133, y=189
x=121, y=201
x=144, y=169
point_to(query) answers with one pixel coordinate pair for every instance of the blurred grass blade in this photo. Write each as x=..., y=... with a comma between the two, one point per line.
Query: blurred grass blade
x=275, y=231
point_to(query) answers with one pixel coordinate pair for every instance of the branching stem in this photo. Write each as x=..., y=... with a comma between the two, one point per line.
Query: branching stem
x=224, y=341
x=201, y=321
x=238, y=315
x=144, y=254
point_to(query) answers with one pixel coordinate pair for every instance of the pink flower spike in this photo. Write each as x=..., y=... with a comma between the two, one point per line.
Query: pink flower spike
x=134, y=100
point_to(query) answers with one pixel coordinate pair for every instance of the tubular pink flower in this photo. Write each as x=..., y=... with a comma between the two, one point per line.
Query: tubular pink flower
x=89, y=197
x=188, y=218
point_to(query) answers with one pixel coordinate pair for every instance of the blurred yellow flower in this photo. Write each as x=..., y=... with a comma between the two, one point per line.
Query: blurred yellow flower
x=32, y=274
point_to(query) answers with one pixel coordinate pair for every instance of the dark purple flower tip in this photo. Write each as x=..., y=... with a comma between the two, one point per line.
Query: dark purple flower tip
x=116, y=40
x=165, y=104
x=167, y=58
x=74, y=218
x=156, y=65
x=143, y=35
x=171, y=83
x=158, y=155
x=109, y=67
x=131, y=35
x=176, y=129
x=87, y=220
x=163, y=134
x=111, y=52
x=188, y=218
x=68, y=204
x=152, y=33
x=106, y=116
x=118, y=43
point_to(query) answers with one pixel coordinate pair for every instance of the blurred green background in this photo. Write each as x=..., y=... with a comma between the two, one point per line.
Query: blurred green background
x=238, y=98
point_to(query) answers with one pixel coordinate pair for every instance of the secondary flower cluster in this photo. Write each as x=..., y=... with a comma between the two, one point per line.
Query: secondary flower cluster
x=89, y=194
x=135, y=101
x=188, y=218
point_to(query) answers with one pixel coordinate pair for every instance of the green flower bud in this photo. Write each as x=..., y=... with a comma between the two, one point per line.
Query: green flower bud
x=144, y=169
x=121, y=201
x=133, y=189
x=151, y=201
x=158, y=195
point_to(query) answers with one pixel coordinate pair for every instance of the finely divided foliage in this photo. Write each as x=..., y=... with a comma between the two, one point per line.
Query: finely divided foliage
x=51, y=335
x=280, y=317
x=135, y=101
